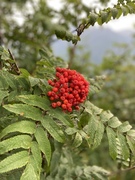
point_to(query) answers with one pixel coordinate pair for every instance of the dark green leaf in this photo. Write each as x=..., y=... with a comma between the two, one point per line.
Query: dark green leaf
x=63, y=117
x=114, y=12
x=3, y=94
x=54, y=130
x=44, y=143
x=92, y=18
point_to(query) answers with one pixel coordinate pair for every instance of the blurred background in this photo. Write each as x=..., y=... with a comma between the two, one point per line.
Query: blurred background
x=28, y=25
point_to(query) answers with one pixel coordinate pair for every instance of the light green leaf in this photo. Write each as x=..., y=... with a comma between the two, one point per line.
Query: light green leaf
x=36, y=153
x=77, y=140
x=25, y=111
x=29, y=172
x=124, y=146
x=98, y=135
x=44, y=143
x=20, y=141
x=34, y=100
x=114, y=122
x=131, y=133
x=50, y=125
x=14, y=161
x=33, y=81
x=131, y=144
x=105, y=116
x=71, y=131
x=92, y=109
x=3, y=94
x=21, y=126
x=124, y=127
x=91, y=129
x=112, y=142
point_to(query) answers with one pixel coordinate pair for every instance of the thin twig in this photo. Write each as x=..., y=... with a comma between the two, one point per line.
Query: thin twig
x=14, y=66
x=72, y=55
x=121, y=171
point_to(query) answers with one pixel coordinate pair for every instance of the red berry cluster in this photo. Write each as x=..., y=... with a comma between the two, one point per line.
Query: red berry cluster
x=69, y=89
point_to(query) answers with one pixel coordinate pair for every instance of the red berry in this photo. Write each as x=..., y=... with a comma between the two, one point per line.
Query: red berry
x=58, y=103
x=49, y=93
x=64, y=106
x=55, y=89
x=54, y=105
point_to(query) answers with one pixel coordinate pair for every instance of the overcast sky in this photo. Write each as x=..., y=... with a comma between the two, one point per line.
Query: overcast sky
x=124, y=23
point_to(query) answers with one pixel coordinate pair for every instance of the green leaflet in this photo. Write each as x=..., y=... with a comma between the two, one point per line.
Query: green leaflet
x=77, y=140
x=3, y=94
x=131, y=133
x=95, y=131
x=44, y=143
x=33, y=81
x=114, y=12
x=34, y=100
x=124, y=146
x=36, y=153
x=114, y=122
x=71, y=131
x=104, y=16
x=92, y=18
x=98, y=135
x=50, y=125
x=63, y=117
x=91, y=129
x=25, y=110
x=124, y=127
x=92, y=109
x=131, y=144
x=105, y=116
x=21, y=126
x=14, y=161
x=10, y=79
x=19, y=141
x=112, y=142
x=30, y=171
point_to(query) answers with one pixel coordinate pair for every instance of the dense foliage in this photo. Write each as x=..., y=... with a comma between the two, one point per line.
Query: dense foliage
x=42, y=142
